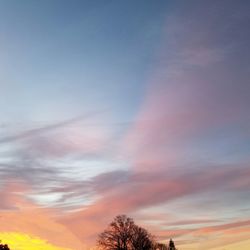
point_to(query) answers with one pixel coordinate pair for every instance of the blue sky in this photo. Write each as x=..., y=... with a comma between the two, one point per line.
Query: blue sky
x=77, y=56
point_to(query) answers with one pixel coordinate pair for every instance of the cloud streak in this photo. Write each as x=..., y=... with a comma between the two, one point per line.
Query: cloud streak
x=45, y=129
x=123, y=192
x=183, y=157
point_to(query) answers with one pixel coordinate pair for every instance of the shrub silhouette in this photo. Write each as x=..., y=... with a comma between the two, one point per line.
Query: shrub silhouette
x=4, y=247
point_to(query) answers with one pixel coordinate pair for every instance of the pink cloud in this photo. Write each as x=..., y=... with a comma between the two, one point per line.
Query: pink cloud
x=23, y=216
x=224, y=227
x=144, y=190
x=196, y=88
x=70, y=141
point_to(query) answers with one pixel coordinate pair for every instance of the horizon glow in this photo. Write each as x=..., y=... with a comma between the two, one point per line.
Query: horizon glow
x=124, y=107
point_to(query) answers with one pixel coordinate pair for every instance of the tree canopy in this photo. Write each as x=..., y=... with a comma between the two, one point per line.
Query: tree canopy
x=4, y=247
x=123, y=234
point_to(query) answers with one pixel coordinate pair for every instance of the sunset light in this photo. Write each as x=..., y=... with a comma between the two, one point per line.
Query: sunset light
x=19, y=241
x=125, y=124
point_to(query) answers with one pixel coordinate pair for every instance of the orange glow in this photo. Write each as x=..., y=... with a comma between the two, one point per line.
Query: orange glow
x=19, y=241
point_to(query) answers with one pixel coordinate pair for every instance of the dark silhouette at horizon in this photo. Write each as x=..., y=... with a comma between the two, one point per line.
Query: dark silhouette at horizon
x=123, y=234
x=4, y=247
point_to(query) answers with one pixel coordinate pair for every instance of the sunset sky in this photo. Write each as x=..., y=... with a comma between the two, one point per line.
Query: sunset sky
x=136, y=107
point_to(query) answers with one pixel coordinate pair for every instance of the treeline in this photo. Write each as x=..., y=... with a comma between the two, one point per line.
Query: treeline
x=123, y=234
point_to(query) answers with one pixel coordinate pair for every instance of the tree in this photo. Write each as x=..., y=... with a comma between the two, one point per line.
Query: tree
x=171, y=245
x=141, y=239
x=123, y=234
x=4, y=247
x=160, y=246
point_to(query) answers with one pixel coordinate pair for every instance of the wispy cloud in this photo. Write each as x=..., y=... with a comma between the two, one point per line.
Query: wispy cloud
x=123, y=192
x=188, y=141
x=47, y=128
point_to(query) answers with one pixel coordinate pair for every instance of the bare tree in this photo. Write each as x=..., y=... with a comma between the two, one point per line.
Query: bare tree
x=160, y=246
x=118, y=234
x=123, y=234
x=141, y=239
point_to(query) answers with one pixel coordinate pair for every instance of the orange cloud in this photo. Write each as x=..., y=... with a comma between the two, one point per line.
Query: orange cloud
x=29, y=219
x=227, y=228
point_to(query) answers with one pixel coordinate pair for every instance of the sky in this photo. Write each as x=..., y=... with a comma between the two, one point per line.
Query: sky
x=124, y=107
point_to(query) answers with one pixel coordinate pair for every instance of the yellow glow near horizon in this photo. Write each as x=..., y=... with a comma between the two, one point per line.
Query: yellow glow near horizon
x=243, y=245
x=19, y=241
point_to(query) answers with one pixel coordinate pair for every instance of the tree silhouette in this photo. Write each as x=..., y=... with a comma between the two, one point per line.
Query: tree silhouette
x=160, y=246
x=171, y=245
x=141, y=239
x=123, y=234
x=4, y=247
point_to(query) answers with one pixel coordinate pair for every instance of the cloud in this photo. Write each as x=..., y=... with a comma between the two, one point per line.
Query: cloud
x=128, y=192
x=43, y=226
x=196, y=97
x=188, y=140
x=45, y=129
x=12, y=195
x=48, y=157
x=20, y=215
x=192, y=222
x=224, y=227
